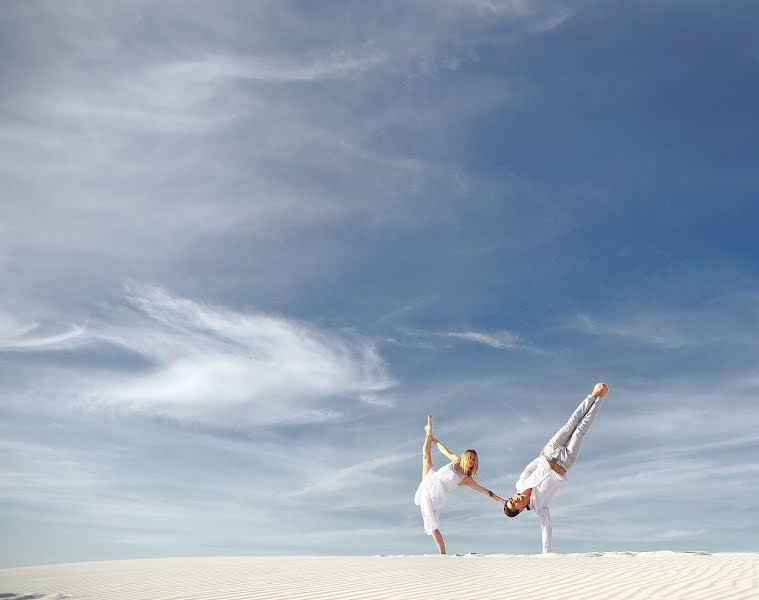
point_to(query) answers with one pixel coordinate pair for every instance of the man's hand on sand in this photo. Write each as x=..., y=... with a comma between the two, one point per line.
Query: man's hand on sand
x=600, y=390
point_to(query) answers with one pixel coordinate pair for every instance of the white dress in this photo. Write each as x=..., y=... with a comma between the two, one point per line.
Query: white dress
x=432, y=494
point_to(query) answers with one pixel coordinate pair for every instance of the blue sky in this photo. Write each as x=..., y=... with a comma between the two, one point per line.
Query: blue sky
x=246, y=248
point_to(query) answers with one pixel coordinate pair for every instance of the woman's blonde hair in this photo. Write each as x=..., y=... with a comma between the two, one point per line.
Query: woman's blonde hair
x=469, y=463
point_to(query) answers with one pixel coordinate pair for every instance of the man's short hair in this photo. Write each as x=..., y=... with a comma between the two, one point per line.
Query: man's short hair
x=510, y=512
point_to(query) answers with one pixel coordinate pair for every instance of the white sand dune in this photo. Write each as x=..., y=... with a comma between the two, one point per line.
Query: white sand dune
x=628, y=575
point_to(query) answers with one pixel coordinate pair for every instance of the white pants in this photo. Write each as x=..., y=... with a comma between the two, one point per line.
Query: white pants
x=564, y=446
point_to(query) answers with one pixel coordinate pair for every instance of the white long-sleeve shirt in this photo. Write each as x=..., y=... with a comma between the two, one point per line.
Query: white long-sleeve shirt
x=544, y=482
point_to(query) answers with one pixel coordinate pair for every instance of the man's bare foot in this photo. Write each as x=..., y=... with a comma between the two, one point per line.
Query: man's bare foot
x=600, y=390
x=428, y=427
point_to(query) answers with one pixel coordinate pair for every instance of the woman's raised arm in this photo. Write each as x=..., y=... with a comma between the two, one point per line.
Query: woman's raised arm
x=451, y=456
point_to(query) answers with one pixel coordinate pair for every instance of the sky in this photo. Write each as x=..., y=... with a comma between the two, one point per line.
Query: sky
x=247, y=247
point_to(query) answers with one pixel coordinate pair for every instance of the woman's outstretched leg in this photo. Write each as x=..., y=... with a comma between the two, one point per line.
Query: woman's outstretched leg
x=438, y=537
x=426, y=450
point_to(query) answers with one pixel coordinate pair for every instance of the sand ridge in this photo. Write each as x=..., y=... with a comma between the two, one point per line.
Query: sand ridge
x=601, y=575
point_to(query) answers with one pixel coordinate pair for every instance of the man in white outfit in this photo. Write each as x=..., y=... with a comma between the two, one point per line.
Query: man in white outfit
x=543, y=476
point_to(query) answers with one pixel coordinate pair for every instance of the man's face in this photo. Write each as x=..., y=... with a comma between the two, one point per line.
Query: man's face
x=517, y=502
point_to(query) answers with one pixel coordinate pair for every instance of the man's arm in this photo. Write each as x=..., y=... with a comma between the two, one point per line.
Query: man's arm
x=451, y=456
x=524, y=482
x=544, y=518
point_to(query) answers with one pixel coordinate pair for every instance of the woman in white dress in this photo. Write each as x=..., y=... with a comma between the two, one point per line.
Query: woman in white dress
x=435, y=486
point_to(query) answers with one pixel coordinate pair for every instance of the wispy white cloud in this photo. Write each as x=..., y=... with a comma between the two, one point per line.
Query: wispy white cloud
x=211, y=362
x=214, y=68
x=364, y=476
x=720, y=317
x=11, y=328
x=35, y=473
x=76, y=486
x=15, y=335
x=552, y=21
x=667, y=535
x=501, y=340
x=512, y=8
x=643, y=329
x=537, y=16
x=182, y=96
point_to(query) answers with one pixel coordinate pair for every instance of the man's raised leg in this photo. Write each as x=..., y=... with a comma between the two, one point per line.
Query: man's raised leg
x=564, y=446
x=563, y=435
x=573, y=445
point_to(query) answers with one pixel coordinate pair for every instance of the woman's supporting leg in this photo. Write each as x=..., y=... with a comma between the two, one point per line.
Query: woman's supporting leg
x=426, y=449
x=438, y=537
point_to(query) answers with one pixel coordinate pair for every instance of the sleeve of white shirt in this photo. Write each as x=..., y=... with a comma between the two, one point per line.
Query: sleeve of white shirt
x=544, y=518
x=524, y=481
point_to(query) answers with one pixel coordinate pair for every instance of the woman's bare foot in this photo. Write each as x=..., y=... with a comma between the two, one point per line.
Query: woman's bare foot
x=428, y=427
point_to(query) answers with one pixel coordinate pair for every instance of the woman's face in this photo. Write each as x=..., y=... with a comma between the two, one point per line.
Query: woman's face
x=467, y=463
